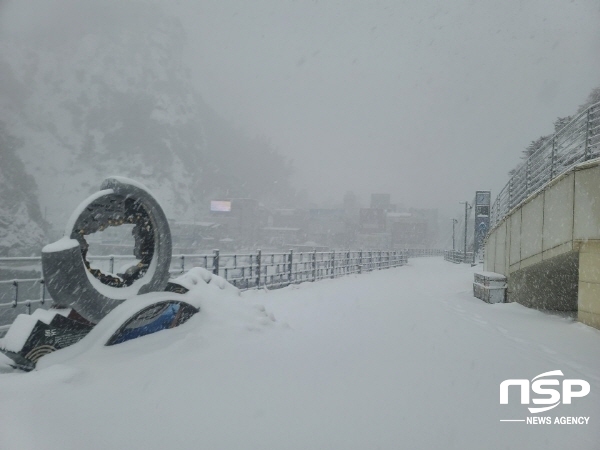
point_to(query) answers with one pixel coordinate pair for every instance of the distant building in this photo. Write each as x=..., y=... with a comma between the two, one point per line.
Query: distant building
x=381, y=201
x=414, y=229
x=280, y=237
x=327, y=226
x=373, y=241
x=291, y=218
x=372, y=220
x=408, y=230
x=239, y=217
x=194, y=236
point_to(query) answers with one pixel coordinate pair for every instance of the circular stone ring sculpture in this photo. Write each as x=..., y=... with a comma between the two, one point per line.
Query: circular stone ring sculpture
x=70, y=279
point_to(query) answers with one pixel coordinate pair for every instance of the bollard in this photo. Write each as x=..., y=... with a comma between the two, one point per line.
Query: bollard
x=112, y=264
x=182, y=263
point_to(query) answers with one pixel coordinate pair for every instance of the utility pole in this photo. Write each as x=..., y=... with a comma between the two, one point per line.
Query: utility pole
x=467, y=207
x=454, y=222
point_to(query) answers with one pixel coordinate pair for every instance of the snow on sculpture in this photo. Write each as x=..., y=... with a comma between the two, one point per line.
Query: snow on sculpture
x=141, y=298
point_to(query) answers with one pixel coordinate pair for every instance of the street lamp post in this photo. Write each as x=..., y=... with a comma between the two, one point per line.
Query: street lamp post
x=454, y=222
x=467, y=207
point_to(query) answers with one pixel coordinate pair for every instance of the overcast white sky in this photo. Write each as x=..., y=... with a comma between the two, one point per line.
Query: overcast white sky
x=427, y=100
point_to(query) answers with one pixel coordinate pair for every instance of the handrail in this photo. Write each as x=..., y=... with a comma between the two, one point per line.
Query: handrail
x=251, y=270
x=457, y=256
x=577, y=141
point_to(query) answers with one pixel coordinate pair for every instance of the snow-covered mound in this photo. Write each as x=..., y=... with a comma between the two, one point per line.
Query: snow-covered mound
x=217, y=300
x=394, y=359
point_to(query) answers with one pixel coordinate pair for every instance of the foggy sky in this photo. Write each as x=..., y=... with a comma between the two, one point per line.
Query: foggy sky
x=427, y=100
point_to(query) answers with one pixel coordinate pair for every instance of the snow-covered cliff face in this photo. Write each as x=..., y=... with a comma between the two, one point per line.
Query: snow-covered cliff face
x=100, y=88
x=110, y=99
x=22, y=228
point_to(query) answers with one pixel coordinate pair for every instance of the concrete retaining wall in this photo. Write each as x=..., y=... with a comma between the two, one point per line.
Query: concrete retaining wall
x=549, y=246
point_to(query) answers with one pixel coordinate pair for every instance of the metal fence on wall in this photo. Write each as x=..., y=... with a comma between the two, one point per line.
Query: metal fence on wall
x=457, y=256
x=246, y=271
x=576, y=142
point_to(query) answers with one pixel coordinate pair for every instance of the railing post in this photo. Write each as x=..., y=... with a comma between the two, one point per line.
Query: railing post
x=15, y=283
x=360, y=261
x=510, y=193
x=314, y=265
x=182, y=263
x=258, y=268
x=290, y=262
x=552, y=157
x=527, y=174
x=333, y=264
x=347, y=268
x=276, y=273
x=43, y=292
x=250, y=274
x=587, y=135
x=216, y=261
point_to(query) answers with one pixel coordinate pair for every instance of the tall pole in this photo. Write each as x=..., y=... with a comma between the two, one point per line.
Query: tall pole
x=467, y=207
x=454, y=222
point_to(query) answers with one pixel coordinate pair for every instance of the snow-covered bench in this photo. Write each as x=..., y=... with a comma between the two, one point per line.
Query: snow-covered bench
x=490, y=287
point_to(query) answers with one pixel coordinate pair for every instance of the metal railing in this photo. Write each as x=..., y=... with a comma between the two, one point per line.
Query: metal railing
x=576, y=142
x=246, y=271
x=422, y=252
x=457, y=257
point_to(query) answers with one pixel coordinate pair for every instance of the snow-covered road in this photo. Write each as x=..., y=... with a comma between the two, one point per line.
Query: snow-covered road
x=402, y=358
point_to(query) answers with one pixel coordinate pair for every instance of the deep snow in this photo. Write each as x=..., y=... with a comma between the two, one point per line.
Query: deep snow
x=402, y=358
